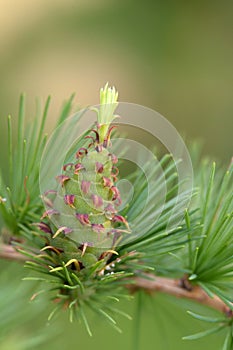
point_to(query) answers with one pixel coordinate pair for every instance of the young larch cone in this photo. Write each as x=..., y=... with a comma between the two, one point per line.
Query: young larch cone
x=86, y=204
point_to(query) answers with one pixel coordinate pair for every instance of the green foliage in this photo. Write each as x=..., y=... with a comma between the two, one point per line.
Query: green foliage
x=20, y=202
x=77, y=279
x=223, y=323
x=210, y=258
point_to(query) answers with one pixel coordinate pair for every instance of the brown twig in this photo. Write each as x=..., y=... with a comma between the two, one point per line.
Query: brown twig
x=177, y=288
x=8, y=252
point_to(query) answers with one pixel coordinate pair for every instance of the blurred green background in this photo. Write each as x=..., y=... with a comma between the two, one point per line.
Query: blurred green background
x=173, y=56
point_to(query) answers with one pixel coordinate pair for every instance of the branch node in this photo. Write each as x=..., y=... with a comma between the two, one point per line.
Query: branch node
x=184, y=283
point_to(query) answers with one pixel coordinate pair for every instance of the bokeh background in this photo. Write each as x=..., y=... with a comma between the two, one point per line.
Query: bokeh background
x=173, y=56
